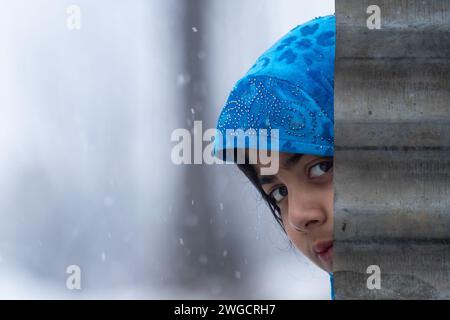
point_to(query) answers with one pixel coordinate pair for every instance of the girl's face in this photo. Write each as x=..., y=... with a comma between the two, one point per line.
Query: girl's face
x=303, y=190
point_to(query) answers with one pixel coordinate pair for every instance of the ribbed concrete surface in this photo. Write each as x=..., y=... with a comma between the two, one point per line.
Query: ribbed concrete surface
x=392, y=160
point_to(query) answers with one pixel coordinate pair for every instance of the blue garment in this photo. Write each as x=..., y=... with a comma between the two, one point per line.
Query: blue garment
x=332, y=286
x=289, y=88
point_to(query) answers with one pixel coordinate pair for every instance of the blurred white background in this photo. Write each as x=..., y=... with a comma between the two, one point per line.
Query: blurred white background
x=86, y=176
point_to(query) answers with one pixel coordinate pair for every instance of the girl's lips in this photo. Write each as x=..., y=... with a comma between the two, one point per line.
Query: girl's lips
x=324, y=251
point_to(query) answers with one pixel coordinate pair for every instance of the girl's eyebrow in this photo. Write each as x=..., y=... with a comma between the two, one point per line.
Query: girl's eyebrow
x=287, y=164
x=291, y=161
x=266, y=179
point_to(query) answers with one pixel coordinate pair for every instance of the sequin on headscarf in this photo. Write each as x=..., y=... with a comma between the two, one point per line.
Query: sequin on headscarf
x=289, y=88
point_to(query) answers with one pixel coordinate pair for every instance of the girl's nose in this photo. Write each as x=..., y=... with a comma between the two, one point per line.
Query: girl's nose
x=304, y=214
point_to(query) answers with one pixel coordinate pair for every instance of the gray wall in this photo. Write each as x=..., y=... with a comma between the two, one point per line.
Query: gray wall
x=392, y=149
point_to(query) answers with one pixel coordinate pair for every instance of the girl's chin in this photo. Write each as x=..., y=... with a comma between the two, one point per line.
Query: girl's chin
x=328, y=269
x=325, y=267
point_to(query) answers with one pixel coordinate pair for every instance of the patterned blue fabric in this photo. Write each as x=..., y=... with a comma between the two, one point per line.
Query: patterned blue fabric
x=289, y=88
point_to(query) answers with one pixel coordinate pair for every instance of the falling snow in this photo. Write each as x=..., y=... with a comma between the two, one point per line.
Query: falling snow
x=137, y=198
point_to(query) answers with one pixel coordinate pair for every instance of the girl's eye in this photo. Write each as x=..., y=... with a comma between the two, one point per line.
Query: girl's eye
x=320, y=169
x=279, y=193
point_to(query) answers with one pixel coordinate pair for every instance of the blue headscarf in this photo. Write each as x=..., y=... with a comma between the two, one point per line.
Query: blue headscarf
x=289, y=88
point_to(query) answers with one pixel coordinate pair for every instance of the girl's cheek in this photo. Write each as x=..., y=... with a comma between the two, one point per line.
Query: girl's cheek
x=329, y=202
x=300, y=243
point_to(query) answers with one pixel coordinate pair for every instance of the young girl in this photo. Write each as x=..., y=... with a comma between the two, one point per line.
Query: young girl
x=291, y=88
